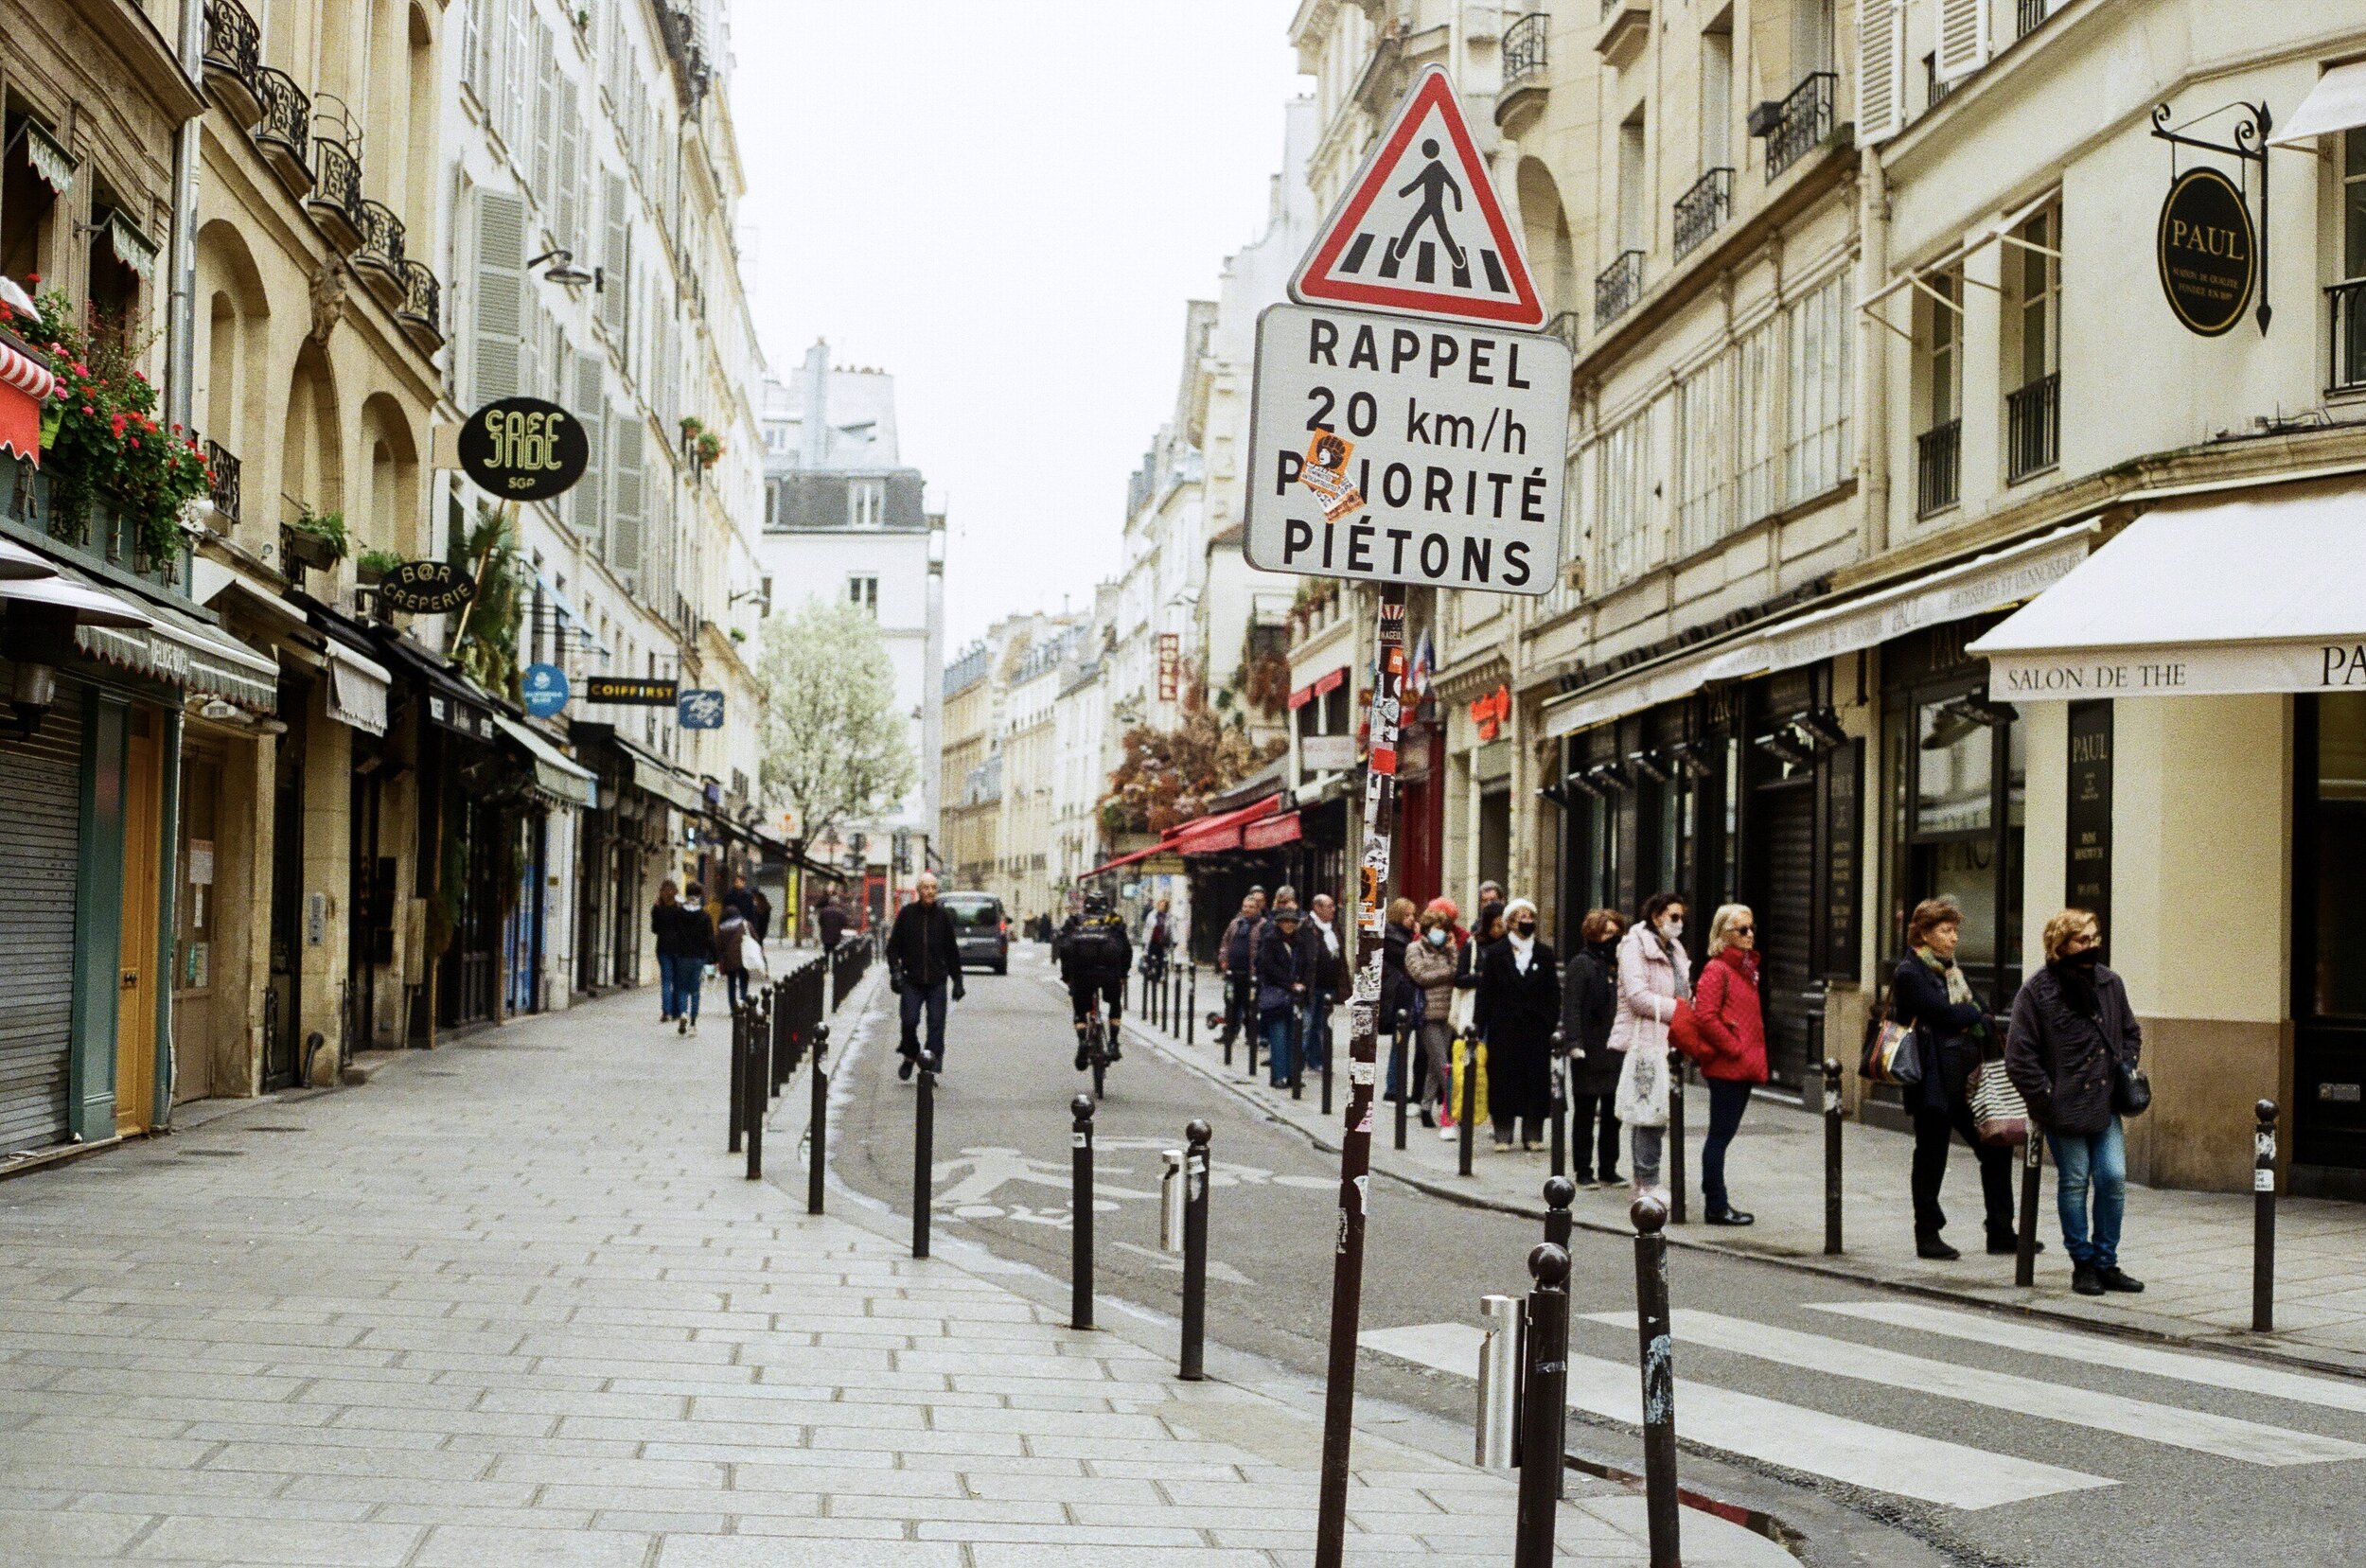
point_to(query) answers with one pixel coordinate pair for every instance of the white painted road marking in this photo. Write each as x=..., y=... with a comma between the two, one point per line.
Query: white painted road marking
x=1794, y=1436
x=2109, y=1350
x=2224, y=1436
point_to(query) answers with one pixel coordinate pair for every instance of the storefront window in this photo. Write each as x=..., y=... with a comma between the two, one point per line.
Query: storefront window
x=2338, y=983
x=1955, y=778
x=1957, y=769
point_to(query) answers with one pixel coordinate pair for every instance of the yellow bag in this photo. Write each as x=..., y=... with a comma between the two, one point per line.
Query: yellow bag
x=1462, y=1064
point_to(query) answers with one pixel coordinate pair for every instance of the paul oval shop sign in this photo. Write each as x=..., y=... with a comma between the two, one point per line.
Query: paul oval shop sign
x=2209, y=252
x=426, y=588
x=523, y=449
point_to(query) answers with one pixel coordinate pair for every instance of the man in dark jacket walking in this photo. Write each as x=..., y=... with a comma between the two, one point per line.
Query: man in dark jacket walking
x=1280, y=989
x=924, y=958
x=1321, y=968
x=832, y=920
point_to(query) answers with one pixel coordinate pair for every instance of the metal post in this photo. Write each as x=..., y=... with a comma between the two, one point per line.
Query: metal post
x=1191, y=1006
x=1401, y=1078
x=1559, y=1192
x=818, y=1125
x=1659, y=1379
x=1466, y=1118
x=2263, y=1233
x=1355, y=1148
x=1544, y=1403
x=1231, y=1014
x=1250, y=1021
x=2025, y=1234
x=1329, y=1051
x=924, y=1155
x=1832, y=1158
x=759, y=1100
x=1560, y=1107
x=1079, y=1306
x=1675, y=1169
x=1195, y=1251
x=736, y=1076
x=1499, y=1372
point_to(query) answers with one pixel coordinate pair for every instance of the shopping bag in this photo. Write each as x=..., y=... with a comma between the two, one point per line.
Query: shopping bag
x=1463, y=1048
x=1642, y=1097
x=751, y=959
x=1893, y=1054
x=1683, y=1032
x=1998, y=1115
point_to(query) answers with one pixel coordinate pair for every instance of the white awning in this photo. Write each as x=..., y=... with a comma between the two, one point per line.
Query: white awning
x=556, y=775
x=356, y=689
x=18, y=564
x=1985, y=583
x=1647, y=686
x=2337, y=102
x=2260, y=595
x=92, y=606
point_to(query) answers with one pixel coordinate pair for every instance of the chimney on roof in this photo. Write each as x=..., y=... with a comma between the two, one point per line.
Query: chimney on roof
x=815, y=433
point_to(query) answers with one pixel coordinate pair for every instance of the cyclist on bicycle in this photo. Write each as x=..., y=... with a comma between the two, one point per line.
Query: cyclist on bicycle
x=1094, y=954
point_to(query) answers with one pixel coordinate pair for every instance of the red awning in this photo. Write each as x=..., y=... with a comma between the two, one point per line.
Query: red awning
x=1214, y=834
x=1271, y=833
x=1127, y=859
x=1319, y=686
x=25, y=384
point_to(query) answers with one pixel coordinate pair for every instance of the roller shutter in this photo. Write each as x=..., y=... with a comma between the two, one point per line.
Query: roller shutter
x=40, y=850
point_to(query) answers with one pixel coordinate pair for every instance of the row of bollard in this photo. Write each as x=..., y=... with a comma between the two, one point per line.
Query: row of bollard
x=772, y=1028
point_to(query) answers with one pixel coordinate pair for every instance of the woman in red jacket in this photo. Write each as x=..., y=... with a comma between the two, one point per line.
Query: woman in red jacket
x=1733, y=1023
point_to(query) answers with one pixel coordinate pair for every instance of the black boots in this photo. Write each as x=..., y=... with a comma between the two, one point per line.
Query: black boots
x=2117, y=1278
x=1730, y=1217
x=2085, y=1279
x=1927, y=1245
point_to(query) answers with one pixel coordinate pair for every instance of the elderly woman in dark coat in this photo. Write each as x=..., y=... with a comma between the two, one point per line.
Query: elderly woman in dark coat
x=1589, y=1005
x=1930, y=993
x=1520, y=998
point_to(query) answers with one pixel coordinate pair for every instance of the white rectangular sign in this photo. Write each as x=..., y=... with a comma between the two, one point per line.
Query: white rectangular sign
x=1447, y=454
x=1327, y=753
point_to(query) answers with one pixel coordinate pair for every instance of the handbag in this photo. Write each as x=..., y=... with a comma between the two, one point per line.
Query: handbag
x=1998, y=1115
x=1893, y=1051
x=1685, y=1034
x=2131, y=1091
x=751, y=959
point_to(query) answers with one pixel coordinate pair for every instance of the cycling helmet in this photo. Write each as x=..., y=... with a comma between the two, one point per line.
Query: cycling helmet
x=1096, y=905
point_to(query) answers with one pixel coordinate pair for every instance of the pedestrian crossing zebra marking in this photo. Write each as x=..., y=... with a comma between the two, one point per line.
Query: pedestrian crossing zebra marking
x=1796, y=1437
x=2228, y=1436
x=2101, y=1351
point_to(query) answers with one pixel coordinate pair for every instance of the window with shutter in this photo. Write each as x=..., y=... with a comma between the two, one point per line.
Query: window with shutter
x=493, y=55
x=568, y=209
x=616, y=257
x=590, y=405
x=1880, y=71
x=1962, y=38
x=500, y=295
x=545, y=115
x=624, y=530
x=471, y=47
x=517, y=91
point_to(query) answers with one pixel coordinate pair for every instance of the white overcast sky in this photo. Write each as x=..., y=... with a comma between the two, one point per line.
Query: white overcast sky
x=1007, y=206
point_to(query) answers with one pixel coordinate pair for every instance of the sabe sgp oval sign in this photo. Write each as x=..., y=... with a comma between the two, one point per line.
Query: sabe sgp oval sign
x=2209, y=253
x=523, y=449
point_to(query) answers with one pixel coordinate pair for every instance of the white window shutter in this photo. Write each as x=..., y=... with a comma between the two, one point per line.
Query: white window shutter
x=1964, y=36
x=517, y=89
x=624, y=531
x=568, y=208
x=472, y=45
x=1880, y=71
x=616, y=257
x=590, y=405
x=545, y=115
x=500, y=295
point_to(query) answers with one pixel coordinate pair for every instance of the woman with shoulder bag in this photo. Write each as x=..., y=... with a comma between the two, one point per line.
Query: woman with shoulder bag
x=1930, y=995
x=1654, y=975
x=2073, y=1053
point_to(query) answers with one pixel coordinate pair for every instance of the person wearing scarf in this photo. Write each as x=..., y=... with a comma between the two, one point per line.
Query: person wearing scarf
x=1654, y=973
x=1589, y=1004
x=2073, y=1033
x=1733, y=1022
x=1931, y=993
x=1520, y=1000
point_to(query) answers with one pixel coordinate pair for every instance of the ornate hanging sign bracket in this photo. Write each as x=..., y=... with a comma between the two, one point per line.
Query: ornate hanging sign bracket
x=2213, y=254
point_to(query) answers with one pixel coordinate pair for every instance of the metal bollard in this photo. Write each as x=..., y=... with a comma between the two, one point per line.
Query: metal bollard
x=1190, y=1008
x=759, y=1103
x=1331, y=1049
x=924, y=1155
x=818, y=1125
x=1559, y=1192
x=1250, y=1023
x=2263, y=1224
x=1466, y=1119
x=1659, y=1379
x=1080, y=1307
x=1171, y=1202
x=735, y=1075
x=1559, y=1101
x=2026, y=1231
x=1676, y=1213
x=1194, y=1252
x=1832, y=1158
x=1545, y=1406
x=1498, y=1373
x=1401, y=1078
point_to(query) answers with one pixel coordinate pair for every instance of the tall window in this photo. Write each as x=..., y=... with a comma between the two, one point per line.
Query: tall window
x=866, y=501
x=1757, y=357
x=1815, y=421
x=2033, y=345
x=1717, y=95
x=1703, y=417
x=2349, y=345
x=1810, y=37
x=1622, y=470
x=863, y=592
x=1938, y=447
x=1633, y=220
x=2040, y=314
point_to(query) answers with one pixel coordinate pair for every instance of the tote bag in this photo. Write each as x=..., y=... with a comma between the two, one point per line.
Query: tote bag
x=1998, y=1115
x=1642, y=1097
x=751, y=959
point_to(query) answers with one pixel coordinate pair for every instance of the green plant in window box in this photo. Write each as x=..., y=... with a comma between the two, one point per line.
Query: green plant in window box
x=703, y=446
x=316, y=540
x=372, y=565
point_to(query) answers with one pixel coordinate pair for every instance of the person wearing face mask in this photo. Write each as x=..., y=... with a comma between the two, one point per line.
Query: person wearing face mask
x=1520, y=991
x=1429, y=964
x=1733, y=1023
x=2074, y=1036
x=1654, y=974
x=1589, y=1005
x=1930, y=992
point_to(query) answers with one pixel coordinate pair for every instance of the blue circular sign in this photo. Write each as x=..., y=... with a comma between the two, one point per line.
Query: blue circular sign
x=546, y=690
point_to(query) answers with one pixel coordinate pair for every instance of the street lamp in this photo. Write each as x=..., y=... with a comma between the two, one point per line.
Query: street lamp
x=562, y=269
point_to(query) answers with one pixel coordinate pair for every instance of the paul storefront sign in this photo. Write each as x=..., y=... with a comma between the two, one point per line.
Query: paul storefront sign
x=2208, y=253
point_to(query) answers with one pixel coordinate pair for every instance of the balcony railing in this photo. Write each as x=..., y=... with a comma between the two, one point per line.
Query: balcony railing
x=283, y=129
x=82, y=523
x=1564, y=327
x=2027, y=14
x=2346, y=369
x=1701, y=211
x=1617, y=287
x=379, y=255
x=421, y=310
x=1523, y=49
x=224, y=492
x=1939, y=468
x=2033, y=426
x=233, y=55
x=1802, y=121
x=335, y=201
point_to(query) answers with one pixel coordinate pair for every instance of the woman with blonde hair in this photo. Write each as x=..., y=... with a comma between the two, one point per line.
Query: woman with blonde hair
x=1733, y=1026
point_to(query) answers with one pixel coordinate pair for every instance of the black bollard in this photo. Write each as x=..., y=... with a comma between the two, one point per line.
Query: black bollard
x=1231, y=1016
x=2025, y=1233
x=1079, y=1307
x=1250, y=1023
x=1191, y=1006
x=1466, y=1119
x=1544, y=1406
x=2263, y=1222
x=1194, y=1252
x=1659, y=1379
x=1559, y=1106
x=1401, y=1078
x=1675, y=1169
x=924, y=1155
x=1329, y=1048
x=818, y=1125
x=759, y=1102
x=1832, y=1158
x=1559, y=1192
x=736, y=1075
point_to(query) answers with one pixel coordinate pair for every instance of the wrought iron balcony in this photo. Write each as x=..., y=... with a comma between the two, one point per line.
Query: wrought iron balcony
x=380, y=257
x=421, y=310
x=2346, y=368
x=1617, y=285
x=2033, y=426
x=233, y=55
x=1564, y=326
x=225, y=487
x=335, y=202
x=1701, y=211
x=1523, y=49
x=73, y=518
x=1801, y=123
x=1939, y=468
x=283, y=129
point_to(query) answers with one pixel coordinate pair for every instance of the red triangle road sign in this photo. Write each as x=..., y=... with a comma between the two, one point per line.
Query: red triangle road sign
x=1420, y=231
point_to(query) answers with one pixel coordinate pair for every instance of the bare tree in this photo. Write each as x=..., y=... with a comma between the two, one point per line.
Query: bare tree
x=835, y=749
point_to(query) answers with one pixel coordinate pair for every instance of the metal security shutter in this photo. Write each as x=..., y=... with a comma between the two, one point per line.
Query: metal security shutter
x=1787, y=922
x=40, y=849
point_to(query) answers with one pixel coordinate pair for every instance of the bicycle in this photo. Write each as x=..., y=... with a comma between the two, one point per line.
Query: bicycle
x=1097, y=1050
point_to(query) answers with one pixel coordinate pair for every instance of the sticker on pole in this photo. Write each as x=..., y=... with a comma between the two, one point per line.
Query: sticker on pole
x=1421, y=231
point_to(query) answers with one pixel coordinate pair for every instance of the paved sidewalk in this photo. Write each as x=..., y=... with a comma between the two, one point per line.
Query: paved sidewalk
x=511, y=1304
x=2192, y=1249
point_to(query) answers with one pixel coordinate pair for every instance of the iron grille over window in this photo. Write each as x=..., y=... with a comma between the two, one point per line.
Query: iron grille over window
x=1801, y=123
x=2348, y=365
x=1701, y=211
x=224, y=491
x=1617, y=287
x=2033, y=429
x=1938, y=461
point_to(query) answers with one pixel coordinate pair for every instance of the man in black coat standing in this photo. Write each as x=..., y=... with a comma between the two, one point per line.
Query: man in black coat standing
x=924, y=958
x=832, y=921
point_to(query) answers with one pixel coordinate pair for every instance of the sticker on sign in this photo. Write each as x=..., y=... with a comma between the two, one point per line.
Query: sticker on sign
x=1457, y=436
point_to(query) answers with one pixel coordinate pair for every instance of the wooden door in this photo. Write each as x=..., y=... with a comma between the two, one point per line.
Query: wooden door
x=136, y=1011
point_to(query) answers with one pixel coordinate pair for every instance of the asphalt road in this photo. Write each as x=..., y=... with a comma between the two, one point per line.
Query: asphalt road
x=1883, y=1429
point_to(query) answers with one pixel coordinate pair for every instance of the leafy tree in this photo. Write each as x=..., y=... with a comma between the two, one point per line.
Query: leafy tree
x=484, y=642
x=1167, y=776
x=835, y=749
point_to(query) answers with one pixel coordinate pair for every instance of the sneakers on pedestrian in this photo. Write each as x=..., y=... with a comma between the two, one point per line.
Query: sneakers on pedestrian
x=1447, y=1132
x=1929, y=1244
x=2118, y=1278
x=904, y=1068
x=1610, y=1177
x=693, y=1028
x=1730, y=1217
x=2086, y=1279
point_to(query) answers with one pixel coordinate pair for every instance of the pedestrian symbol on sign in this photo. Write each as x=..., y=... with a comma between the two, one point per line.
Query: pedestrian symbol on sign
x=1435, y=184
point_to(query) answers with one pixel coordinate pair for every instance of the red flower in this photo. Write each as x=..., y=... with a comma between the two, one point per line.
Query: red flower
x=33, y=278
x=82, y=369
x=87, y=409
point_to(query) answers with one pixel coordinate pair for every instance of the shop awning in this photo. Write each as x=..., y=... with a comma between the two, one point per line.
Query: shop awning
x=356, y=689
x=2260, y=595
x=1319, y=686
x=1989, y=582
x=558, y=777
x=1679, y=674
x=1212, y=835
x=452, y=703
x=92, y=606
x=26, y=383
x=18, y=564
x=1129, y=859
x=178, y=650
x=2337, y=102
x=657, y=777
x=1271, y=833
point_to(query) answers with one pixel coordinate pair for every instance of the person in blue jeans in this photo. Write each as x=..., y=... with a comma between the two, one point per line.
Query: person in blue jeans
x=2073, y=1038
x=1279, y=992
x=694, y=950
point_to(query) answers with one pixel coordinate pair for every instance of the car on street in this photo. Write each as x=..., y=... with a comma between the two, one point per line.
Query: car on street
x=983, y=930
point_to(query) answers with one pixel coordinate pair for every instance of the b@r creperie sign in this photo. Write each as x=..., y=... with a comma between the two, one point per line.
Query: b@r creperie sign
x=2209, y=253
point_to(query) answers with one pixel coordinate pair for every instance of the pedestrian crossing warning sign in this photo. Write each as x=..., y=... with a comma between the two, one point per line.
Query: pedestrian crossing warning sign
x=1421, y=231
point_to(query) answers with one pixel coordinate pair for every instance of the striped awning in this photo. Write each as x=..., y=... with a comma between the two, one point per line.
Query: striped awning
x=181, y=650
x=25, y=384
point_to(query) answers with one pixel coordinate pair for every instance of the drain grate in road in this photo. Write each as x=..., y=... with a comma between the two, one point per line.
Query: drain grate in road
x=273, y=1127
x=437, y=1072
x=214, y=1153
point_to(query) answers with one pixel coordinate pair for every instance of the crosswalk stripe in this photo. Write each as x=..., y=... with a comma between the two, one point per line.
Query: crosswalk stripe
x=1793, y=1436
x=2106, y=1351
x=2224, y=1436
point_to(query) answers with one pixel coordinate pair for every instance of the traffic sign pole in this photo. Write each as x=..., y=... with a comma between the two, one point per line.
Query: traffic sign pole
x=1355, y=1149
